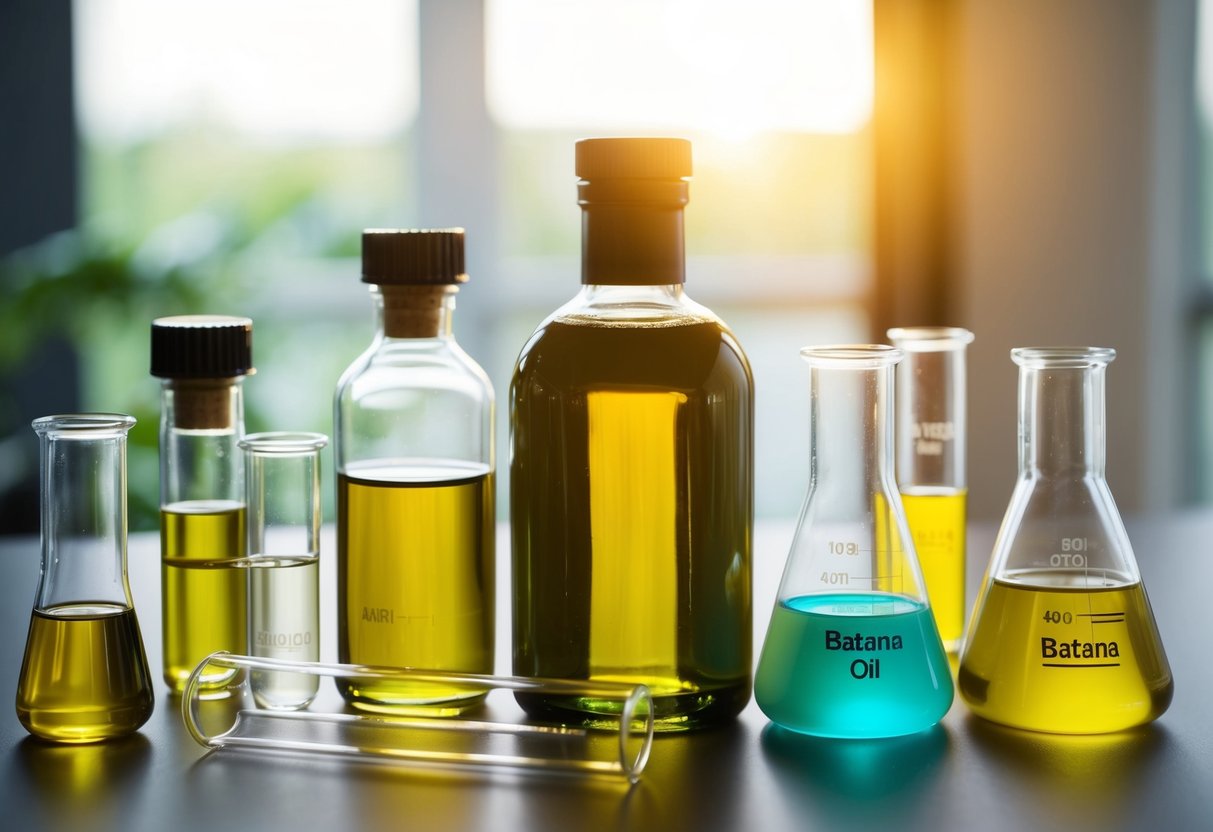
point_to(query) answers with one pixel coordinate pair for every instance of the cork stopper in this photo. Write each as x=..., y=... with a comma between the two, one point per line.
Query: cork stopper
x=203, y=403
x=201, y=357
x=413, y=311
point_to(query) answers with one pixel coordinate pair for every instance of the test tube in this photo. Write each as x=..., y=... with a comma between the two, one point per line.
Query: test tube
x=613, y=743
x=931, y=463
x=282, y=478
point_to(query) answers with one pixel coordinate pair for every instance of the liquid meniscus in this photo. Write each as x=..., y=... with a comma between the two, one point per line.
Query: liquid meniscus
x=284, y=611
x=631, y=483
x=937, y=525
x=85, y=676
x=415, y=578
x=859, y=666
x=205, y=588
x=1068, y=652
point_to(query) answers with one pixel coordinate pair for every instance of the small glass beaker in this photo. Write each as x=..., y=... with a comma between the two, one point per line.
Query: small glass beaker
x=85, y=676
x=282, y=492
x=1063, y=639
x=931, y=463
x=852, y=649
x=617, y=744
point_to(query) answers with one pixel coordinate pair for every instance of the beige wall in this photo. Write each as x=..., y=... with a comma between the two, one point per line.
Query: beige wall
x=1056, y=202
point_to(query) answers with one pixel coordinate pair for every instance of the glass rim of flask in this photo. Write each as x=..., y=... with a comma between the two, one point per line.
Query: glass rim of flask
x=1062, y=358
x=852, y=356
x=283, y=442
x=930, y=338
x=83, y=425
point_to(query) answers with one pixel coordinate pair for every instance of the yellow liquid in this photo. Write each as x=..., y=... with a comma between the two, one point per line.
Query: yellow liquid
x=631, y=508
x=937, y=524
x=205, y=601
x=85, y=676
x=1065, y=656
x=415, y=579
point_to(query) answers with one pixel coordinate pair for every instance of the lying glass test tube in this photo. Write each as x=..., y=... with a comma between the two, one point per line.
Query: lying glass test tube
x=616, y=746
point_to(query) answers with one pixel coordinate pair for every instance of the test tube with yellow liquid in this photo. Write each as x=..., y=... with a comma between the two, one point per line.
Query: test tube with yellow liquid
x=931, y=463
x=1063, y=639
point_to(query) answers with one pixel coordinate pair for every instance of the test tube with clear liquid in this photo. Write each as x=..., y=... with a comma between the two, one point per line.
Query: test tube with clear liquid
x=931, y=445
x=852, y=649
x=282, y=486
x=1063, y=639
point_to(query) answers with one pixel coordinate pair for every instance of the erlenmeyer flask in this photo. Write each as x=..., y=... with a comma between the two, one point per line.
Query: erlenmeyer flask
x=1062, y=638
x=852, y=649
x=85, y=676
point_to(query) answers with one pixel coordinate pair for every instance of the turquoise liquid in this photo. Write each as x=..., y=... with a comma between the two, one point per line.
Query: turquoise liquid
x=887, y=675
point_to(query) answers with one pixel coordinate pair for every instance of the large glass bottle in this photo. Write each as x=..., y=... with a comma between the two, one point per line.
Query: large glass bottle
x=631, y=476
x=852, y=649
x=413, y=427
x=84, y=677
x=1063, y=639
x=202, y=361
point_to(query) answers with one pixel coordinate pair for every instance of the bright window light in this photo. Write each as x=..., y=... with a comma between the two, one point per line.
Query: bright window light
x=719, y=66
x=279, y=70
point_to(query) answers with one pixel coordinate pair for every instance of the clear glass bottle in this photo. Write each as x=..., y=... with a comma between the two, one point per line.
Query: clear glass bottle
x=84, y=677
x=202, y=361
x=931, y=445
x=413, y=447
x=631, y=476
x=852, y=649
x=282, y=487
x=1063, y=639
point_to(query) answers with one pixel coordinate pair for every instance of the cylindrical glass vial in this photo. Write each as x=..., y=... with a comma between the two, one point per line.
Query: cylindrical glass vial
x=1063, y=639
x=413, y=446
x=282, y=486
x=202, y=360
x=631, y=476
x=931, y=463
x=852, y=649
x=85, y=675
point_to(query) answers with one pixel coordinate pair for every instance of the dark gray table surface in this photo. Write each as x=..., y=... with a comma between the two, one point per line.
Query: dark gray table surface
x=965, y=774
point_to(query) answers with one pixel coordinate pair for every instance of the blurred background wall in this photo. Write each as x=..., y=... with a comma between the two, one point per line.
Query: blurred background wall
x=1031, y=170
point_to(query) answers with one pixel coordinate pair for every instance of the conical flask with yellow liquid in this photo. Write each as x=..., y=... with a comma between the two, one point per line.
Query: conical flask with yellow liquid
x=1062, y=638
x=852, y=649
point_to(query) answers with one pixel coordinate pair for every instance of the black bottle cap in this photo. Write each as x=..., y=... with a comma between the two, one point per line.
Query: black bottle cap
x=202, y=346
x=633, y=158
x=413, y=257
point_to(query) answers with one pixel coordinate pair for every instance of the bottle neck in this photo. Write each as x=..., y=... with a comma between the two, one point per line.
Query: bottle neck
x=84, y=514
x=414, y=311
x=852, y=430
x=211, y=404
x=632, y=233
x=930, y=423
x=1061, y=421
x=201, y=422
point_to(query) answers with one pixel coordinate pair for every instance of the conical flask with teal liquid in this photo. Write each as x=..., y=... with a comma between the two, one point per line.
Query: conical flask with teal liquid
x=852, y=649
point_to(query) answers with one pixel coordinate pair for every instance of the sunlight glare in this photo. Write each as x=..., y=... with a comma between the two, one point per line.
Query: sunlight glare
x=727, y=68
x=276, y=70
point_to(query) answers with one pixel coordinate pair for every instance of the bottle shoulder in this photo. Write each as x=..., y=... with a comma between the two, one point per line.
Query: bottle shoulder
x=682, y=352
x=438, y=364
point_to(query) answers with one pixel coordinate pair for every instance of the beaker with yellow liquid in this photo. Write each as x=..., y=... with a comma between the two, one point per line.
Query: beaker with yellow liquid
x=931, y=445
x=84, y=677
x=1062, y=638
